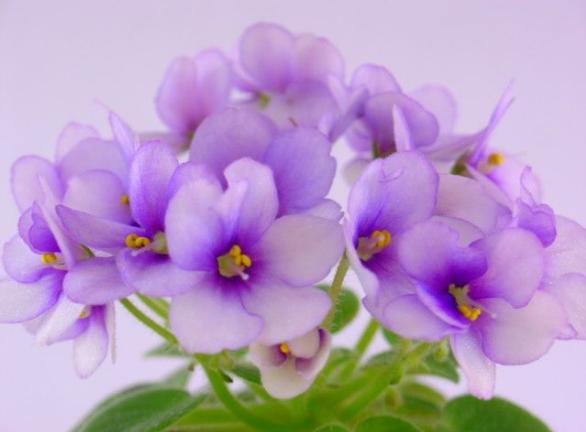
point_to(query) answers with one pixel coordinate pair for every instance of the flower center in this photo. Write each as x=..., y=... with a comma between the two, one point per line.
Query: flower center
x=124, y=199
x=284, y=348
x=369, y=246
x=49, y=258
x=234, y=263
x=86, y=312
x=134, y=241
x=464, y=303
x=495, y=159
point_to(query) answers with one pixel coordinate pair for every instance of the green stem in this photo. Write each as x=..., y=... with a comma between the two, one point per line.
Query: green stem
x=335, y=289
x=360, y=348
x=232, y=404
x=143, y=318
x=156, y=305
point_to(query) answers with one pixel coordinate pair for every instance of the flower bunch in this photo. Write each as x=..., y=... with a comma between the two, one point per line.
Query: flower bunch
x=223, y=228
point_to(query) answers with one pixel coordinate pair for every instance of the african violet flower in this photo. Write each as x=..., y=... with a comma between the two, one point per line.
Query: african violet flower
x=192, y=89
x=289, y=76
x=255, y=269
x=37, y=261
x=300, y=160
x=132, y=232
x=486, y=296
x=288, y=368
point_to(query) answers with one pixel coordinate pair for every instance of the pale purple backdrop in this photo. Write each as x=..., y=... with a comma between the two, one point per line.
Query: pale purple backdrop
x=58, y=57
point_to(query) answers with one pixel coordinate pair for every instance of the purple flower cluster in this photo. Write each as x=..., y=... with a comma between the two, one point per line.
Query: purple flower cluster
x=449, y=237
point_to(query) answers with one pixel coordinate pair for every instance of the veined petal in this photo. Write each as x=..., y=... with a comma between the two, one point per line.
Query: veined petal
x=99, y=193
x=288, y=313
x=515, y=267
x=155, y=275
x=93, y=231
x=21, y=302
x=95, y=281
x=21, y=263
x=300, y=249
x=209, y=320
x=195, y=232
x=230, y=135
x=25, y=183
x=265, y=55
x=303, y=168
x=151, y=170
x=478, y=369
x=91, y=347
x=518, y=336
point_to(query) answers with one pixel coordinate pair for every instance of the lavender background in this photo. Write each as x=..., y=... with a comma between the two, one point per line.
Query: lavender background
x=57, y=57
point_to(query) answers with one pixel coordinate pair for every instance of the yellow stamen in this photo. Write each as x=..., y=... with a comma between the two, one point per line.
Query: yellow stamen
x=495, y=159
x=284, y=348
x=134, y=241
x=48, y=258
x=234, y=262
x=86, y=312
x=460, y=294
x=124, y=199
x=368, y=246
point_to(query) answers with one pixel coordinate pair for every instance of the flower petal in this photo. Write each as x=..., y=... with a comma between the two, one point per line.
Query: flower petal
x=98, y=192
x=194, y=230
x=377, y=79
x=24, y=180
x=439, y=101
x=515, y=267
x=265, y=55
x=259, y=202
x=288, y=313
x=315, y=58
x=303, y=168
x=300, y=249
x=155, y=275
x=209, y=320
x=70, y=136
x=567, y=254
x=393, y=193
x=305, y=346
x=91, y=347
x=409, y=317
x=466, y=199
x=151, y=170
x=61, y=318
x=478, y=369
x=21, y=263
x=518, y=336
x=230, y=135
x=24, y=301
x=284, y=382
x=570, y=290
x=95, y=281
x=93, y=231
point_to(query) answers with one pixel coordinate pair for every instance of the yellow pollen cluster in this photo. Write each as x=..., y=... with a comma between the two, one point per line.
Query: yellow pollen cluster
x=124, y=199
x=86, y=312
x=48, y=258
x=240, y=259
x=284, y=348
x=495, y=159
x=383, y=238
x=460, y=294
x=134, y=241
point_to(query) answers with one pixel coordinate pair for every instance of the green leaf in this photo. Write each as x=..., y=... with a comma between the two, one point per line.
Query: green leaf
x=166, y=350
x=347, y=308
x=145, y=409
x=385, y=424
x=331, y=428
x=468, y=414
x=441, y=368
x=247, y=372
x=392, y=338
